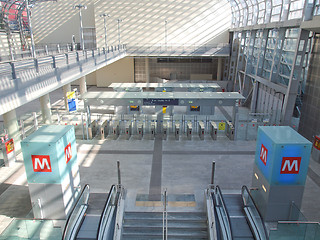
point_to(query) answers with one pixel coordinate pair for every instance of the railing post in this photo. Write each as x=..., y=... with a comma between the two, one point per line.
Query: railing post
x=35, y=121
x=13, y=70
x=36, y=65
x=54, y=62
x=77, y=54
x=212, y=172
x=23, y=133
x=93, y=53
x=165, y=217
x=46, y=49
x=119, y=173
x=67, y=58
x=58, y=48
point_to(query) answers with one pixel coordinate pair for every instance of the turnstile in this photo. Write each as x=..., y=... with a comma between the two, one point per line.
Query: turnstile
x=116, y=131
x=189, y=130
x=128, y=130
x=152, y=131
x=177, y=131
x=165, y=131
x=140, y=131
x=230, y=130
x=201, y=130
x=105, y=127
x=213, y=130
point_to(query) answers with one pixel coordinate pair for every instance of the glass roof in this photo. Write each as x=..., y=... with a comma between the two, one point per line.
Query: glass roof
x=252, y=12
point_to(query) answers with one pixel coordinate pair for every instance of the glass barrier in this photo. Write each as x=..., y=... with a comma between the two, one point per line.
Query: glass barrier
x=223, y=215
x=251, y=210
x=107, y=215
x=31, y=229
x=296, y=231
x=77, y=213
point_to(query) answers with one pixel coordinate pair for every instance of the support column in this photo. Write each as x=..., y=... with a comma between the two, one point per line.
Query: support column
x=11, y=125
x=147, y=70
x=83, y=85
x=66, y=88
x=219, y=69
x=46, y=109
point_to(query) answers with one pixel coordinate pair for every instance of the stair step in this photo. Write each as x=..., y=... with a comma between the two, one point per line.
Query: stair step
x=156, y=237
x=171, y=223
x=172, y=231
x=171, y=215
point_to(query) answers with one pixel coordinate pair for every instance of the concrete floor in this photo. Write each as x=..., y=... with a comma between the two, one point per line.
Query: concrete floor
x=182, y=167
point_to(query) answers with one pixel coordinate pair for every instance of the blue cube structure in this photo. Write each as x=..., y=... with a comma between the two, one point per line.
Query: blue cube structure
x=50, y=159
x=280, y=171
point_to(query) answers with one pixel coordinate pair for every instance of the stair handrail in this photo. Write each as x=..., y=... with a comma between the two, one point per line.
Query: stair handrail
x=259, y=232
x=165, y=217
x=71, y=225
x=120, y=212
x=103, y=220
x=221, y=204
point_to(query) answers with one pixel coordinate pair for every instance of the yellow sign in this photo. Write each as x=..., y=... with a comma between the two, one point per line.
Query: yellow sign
x=164, y=109
x=222, y=126
x=71, y=95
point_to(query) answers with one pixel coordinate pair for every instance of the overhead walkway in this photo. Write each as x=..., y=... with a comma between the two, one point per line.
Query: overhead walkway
x=26, y=80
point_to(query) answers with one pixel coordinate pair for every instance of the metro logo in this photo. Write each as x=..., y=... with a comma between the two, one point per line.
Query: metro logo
x=68, y=152
x=263, y=154
x=41, y=163
x=290, y=165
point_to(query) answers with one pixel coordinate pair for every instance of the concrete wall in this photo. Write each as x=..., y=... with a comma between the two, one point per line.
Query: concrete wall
x=120, y=71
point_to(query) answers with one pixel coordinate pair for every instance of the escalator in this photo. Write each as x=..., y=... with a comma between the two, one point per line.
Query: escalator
x=91, y=218
x=236, y=217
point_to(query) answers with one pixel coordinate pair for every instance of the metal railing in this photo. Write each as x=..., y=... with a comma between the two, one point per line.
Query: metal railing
x=178, y=49
x=253, y=215
x=165, y=217
x=105, y=230
x=222, y=214
x=212, y=228
x=77, y=214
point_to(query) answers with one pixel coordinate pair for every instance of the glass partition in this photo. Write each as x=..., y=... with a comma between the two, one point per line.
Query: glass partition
x=296, y=231
x=253, y=215
x=77, y=213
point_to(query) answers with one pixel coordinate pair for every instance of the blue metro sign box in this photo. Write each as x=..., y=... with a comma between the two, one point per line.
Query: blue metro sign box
x=282, y=155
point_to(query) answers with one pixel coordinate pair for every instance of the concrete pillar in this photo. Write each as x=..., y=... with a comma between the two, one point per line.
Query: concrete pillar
x=11, y=125
x=66, y=88
x=219, y=69
x=45, y=109
x=147, y=70
x=83, y=85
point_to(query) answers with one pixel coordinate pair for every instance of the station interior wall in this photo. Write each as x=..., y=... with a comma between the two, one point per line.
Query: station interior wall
x=188, y=22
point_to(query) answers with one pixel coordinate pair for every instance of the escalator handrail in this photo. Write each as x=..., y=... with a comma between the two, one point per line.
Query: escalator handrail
x=218, y=191
x=104, y=209
x=243, y=189
x=74, y=206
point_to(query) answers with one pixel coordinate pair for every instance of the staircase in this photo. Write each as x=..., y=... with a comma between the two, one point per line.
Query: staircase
x=149, y=225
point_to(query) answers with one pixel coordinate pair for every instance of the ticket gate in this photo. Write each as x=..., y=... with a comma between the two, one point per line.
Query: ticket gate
x=230, y=130
x=177, y=131
x=116, y=131
x=105, y=126
x=213, y=130
x=201, y=130
x=101, y=132
x=140, y=131
x=128, y=130
x=152, y=131
x=92, y=129
x=189, y=130
x=165, y=131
